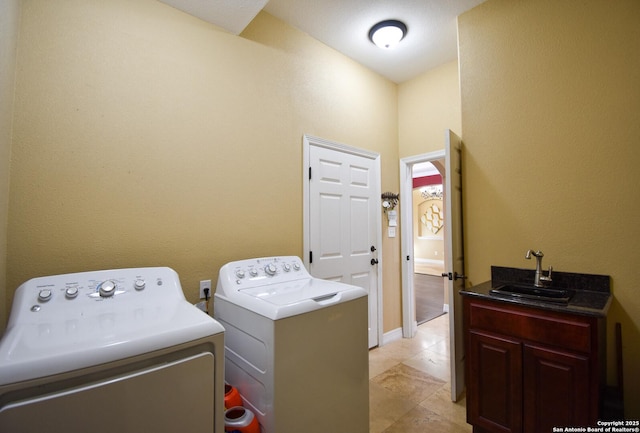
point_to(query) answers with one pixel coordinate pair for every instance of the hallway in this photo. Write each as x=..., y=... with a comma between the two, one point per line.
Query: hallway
x=409, y=384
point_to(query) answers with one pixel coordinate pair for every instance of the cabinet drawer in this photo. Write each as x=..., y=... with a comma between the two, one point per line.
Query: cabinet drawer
x=568, y=332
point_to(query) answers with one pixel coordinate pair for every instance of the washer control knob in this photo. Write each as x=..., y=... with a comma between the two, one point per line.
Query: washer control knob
x=71, y=292
x=253, y=272
x=296, y=266
x=270, y=269
x=240, y=273
x=45, y=295
x=139, y=284
x=286, y=267
x=107, y=288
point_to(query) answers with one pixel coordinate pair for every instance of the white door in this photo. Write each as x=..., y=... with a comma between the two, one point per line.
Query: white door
x=343, y=216
x=455, y=259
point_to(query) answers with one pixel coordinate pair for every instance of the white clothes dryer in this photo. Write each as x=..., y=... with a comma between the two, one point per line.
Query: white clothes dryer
x=296, y=346
x=110, y=351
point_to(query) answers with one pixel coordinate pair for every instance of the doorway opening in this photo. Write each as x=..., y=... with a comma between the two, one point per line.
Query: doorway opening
x=449, y=164
x=424, y=291
x=428, y=241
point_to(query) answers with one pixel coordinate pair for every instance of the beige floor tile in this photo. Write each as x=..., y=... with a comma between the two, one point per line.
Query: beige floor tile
x=421, y=420
x=380, y=361
x=385, y=407
x=441, y=403
x=412, y=384
x=432, y=363
x=441, y=347
x=409, y=347
x=440, y=323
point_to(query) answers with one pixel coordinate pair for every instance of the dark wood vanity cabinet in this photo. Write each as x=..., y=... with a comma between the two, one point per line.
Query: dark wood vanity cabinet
x=529, y=370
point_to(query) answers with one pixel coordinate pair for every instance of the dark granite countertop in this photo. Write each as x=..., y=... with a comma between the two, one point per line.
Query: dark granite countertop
x=592, y=292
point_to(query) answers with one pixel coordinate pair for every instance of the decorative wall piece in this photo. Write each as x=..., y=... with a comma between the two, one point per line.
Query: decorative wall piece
x=431, y=210
x=389, y=200
x=433, y=218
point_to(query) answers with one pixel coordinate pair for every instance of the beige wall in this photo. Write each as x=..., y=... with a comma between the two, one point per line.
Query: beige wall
x=550, y=114
x=9, y=19
x=427, y=106
x=146, y=137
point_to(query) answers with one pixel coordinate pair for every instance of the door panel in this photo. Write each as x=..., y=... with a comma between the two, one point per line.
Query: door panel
x=556, y=389
x=360, y=226
x=344, y=221
x=454, y=258
x=329, y=221
x=495, y=384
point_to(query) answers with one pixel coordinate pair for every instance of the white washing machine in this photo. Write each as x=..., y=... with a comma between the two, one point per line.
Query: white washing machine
x=296, y=346
x=110, y=351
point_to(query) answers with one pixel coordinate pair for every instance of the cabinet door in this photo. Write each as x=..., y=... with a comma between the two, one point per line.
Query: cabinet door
x=556, y=389
x=494, y=383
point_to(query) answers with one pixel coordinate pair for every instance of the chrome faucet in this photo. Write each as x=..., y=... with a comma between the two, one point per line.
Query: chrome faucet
x=540, y=278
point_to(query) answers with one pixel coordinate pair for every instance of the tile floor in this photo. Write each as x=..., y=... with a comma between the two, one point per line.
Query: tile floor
x=409, y=384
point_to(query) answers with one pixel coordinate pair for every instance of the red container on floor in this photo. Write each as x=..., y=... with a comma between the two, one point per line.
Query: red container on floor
x=231, y=397
x=240, y=420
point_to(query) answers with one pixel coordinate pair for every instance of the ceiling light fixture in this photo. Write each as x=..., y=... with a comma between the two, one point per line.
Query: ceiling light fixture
x=387, y=34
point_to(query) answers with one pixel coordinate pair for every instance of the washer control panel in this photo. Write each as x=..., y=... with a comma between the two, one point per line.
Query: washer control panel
x=265, y=270
x=86, y=289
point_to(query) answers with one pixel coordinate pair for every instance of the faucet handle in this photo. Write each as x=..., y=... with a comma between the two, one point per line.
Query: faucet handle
x=548, y=277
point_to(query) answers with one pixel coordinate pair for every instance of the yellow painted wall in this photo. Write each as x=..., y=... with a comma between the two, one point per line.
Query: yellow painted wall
x=9, y=18
x=146, y=137
x=427, y=106
x=551, y=129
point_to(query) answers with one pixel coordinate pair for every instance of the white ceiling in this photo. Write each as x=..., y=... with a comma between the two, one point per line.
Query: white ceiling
x=424, y=169
x=344, y=25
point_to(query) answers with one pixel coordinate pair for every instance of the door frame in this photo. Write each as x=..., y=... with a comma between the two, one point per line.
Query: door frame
x=409, y=323
x=308, y=141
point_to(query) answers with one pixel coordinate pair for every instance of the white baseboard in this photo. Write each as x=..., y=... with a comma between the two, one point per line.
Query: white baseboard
x=445, y=308
x=390, y=336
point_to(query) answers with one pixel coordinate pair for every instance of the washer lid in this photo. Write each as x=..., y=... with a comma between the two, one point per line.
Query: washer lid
x=295, y=292
x=290, y=298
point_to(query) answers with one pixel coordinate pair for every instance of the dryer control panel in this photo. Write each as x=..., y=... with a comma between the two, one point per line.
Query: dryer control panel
x=86, y=290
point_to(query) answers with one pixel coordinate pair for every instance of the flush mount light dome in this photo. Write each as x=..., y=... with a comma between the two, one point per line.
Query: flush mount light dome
x=387, y=34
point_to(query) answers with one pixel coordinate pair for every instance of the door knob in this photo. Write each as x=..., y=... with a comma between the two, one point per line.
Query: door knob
x=373, y=248
x=374, y=262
